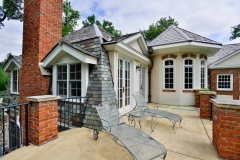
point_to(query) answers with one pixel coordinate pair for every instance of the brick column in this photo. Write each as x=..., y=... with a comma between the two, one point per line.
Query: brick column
x=43, y=119
x=197, y=97
x=226, y=128
x=205, y=103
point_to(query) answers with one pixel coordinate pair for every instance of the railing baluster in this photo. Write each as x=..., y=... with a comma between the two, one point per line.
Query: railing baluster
x=3, y=132
x=26, y=123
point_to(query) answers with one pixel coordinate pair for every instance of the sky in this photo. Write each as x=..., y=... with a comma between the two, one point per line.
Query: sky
x=209, y=18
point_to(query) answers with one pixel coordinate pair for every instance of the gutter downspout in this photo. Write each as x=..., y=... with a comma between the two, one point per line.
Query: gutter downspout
x=150, y=51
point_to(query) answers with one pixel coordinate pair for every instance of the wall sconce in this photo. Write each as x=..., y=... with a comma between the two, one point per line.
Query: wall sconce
x=138, y=67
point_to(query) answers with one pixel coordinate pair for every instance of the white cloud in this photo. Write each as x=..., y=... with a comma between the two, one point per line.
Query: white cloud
x=209, y=18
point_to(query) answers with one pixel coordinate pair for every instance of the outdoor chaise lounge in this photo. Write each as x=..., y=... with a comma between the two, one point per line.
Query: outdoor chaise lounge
x=144, y=111
x=140, y=145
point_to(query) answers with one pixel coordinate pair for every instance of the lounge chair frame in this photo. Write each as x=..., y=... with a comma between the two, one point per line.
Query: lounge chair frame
x=139, y=144
x=142, y=111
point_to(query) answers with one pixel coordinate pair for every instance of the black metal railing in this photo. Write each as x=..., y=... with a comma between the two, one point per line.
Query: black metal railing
x=11, y=129
x=71, y=112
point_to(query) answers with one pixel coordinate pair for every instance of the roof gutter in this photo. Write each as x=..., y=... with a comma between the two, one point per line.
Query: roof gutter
x=150, y=51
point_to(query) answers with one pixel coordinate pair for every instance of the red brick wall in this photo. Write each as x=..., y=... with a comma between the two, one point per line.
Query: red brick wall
x=226, y=132
x=42, y=27
x=205, y=106
x=236, y=81
x=43, y=122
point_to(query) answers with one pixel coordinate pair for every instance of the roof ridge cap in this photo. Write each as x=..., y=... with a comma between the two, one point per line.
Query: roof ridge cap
x=181, y=32
x=97, y=31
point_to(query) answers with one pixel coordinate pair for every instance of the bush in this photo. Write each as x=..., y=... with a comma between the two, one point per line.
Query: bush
x=2, y=94
x=3, y=80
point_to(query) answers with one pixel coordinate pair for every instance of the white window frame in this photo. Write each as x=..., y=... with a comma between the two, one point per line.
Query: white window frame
x=84, y=78
x=173, y=66
x=231, y=82
x=205, y=73
x=193, y=73
x=12, y=92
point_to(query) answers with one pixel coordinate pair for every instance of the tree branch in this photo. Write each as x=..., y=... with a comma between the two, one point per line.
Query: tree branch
x=3, y=18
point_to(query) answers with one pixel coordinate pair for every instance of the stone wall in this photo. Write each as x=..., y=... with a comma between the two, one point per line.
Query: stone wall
x=236, y=81
x=100, y=85
x=8, y=98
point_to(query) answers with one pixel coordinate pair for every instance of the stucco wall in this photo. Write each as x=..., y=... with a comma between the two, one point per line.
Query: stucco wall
x=176, y=96
x=234, y=60
x=136, y=46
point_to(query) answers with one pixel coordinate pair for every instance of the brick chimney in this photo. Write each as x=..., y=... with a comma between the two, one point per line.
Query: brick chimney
x=42, y=27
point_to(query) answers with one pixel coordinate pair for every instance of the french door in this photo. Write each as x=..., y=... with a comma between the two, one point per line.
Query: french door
x=124, y=73
x=142, y=82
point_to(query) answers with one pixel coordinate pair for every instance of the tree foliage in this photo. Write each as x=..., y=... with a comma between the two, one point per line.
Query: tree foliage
x=70, y=18
x=106, y=25
x=235, y=32
x=11, y=10
x=3, y=75
x=160, y=26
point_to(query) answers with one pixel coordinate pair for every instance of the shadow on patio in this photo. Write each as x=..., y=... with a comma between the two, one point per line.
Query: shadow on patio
x=192, y=141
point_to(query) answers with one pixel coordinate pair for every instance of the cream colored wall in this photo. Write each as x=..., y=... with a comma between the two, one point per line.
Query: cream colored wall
x=136, y=46
x=178, y=97
x=234, y=60
x=113, y=58
x=225, y=97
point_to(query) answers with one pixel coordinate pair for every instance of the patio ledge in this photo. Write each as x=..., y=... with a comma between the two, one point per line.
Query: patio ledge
x=226, y=103
x=42, y=98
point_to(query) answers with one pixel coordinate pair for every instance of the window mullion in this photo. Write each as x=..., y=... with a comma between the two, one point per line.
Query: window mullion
x=68, y=80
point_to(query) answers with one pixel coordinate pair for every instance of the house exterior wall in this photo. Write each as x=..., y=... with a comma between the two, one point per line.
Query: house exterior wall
x=176, y=96
x=236, y=82
x=8, y=98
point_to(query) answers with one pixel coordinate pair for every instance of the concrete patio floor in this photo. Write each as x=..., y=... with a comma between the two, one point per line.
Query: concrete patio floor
x=192, y=141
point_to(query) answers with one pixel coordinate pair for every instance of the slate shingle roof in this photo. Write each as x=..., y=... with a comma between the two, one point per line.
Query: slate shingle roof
x=18, y=58
x=87, y=33
x=120, y=38
x=176, y=35
x=225, y=51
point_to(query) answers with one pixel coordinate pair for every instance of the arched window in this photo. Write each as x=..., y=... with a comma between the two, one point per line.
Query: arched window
x=188, y=73
x=169, y=73
x=203, y=73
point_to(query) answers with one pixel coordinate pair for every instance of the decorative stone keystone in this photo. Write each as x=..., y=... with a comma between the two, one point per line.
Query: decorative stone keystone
x=205, y=103
x=226, y=128
x=43, y=119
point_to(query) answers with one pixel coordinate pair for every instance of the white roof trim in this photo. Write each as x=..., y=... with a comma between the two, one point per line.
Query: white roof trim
x=55, y=53
x=225, y=58
x=185, y=44
x=128, y=51
x=12, y=60
x=140, y=39
x=225, y=66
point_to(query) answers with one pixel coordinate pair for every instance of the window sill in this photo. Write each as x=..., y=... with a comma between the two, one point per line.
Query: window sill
x=229, y=90
x=168, y=90
x=16, y=93
x=187, y=91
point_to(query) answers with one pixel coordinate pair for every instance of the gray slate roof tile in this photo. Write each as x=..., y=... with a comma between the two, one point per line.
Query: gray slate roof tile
x=176, y=35
x=226, y=50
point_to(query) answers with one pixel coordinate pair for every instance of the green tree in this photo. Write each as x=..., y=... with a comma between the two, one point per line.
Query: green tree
x=3, y=79
x=70, y=18
x=106, y=25
x=11, y=10
x=160, y=26
x=235, y=32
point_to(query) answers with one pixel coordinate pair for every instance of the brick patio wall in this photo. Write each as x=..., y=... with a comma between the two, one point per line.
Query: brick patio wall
x=42, y=28
x=197, y=97
x=236, y=81
x=43, y=119
x=226, y=130
x=205, y=103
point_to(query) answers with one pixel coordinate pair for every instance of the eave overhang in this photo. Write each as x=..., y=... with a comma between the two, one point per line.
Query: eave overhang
x=128, y=52
x=62, y=48
x=11, y=64
x=190, y=46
